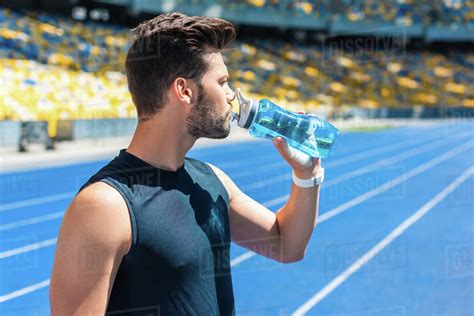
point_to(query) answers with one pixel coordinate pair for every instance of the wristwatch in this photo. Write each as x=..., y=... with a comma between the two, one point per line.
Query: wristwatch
x=308, y=183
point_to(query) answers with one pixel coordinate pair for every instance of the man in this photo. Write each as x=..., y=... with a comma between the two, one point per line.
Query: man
x=150, y=232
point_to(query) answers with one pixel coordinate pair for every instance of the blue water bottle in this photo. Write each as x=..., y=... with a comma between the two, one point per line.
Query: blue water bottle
x=308, y=134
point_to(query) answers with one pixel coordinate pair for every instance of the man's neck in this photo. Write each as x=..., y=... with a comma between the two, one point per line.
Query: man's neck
x=162, y=142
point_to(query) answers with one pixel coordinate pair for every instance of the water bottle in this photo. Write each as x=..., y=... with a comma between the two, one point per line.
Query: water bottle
x=308, y=134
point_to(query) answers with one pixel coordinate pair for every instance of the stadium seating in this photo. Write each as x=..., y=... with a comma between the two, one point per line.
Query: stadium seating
x=404, y=12
x=56, y=68
x=61, y=41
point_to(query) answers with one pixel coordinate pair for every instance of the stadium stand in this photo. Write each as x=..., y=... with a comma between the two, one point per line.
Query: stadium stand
x=56, y=68
x=406, y=12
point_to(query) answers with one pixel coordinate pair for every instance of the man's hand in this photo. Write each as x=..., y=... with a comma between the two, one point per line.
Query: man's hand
x=304, y=166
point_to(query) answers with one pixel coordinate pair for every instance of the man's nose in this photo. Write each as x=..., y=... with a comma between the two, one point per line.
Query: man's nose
x=230, y=95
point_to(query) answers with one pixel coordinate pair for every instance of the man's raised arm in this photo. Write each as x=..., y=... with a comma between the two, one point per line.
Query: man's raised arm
x=282, y=236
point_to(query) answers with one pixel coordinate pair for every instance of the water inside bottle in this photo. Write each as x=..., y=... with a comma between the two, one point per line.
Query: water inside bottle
x=309, y=135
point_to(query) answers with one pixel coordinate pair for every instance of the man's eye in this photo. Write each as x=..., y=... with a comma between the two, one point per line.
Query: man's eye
x=224, y=82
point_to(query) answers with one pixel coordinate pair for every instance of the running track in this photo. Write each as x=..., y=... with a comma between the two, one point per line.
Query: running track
x=395, y=233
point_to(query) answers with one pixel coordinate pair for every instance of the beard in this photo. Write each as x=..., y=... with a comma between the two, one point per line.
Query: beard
x=205, y=121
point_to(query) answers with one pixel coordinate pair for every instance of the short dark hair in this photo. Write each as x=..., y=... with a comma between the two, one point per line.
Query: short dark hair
x=169, y=46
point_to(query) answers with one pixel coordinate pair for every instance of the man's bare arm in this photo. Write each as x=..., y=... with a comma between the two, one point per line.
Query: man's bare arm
x=95, y=235
x=282, y=236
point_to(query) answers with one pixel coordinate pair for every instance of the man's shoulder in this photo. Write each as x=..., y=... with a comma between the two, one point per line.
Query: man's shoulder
x=98, y=192
x=100, y=198
x=101, y=211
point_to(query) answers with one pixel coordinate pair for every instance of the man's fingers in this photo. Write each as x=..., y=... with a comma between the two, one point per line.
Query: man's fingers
x=280, y=142
x=281, y=146
x=303, y=112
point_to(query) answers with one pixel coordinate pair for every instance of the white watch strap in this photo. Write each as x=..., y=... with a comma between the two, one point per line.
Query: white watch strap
x=308, y=183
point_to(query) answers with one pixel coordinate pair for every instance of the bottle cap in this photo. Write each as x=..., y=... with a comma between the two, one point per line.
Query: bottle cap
x=247, y=109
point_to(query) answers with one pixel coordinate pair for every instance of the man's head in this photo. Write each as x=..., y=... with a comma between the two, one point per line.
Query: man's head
x=176, y=59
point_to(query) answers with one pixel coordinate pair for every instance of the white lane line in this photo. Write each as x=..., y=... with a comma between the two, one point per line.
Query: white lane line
x=400, y=229
x=376, y=151
x=392, y=183
x=241, y=258
x=364, y=154
x=362, y=170
x=33, y=220
x=278, y=200
x=344, y=160
x=385, y=162
x=36, y=201
x=24, y=291
x=28, y=248
x=381, y=162
x=380, y=189
x=368, y=153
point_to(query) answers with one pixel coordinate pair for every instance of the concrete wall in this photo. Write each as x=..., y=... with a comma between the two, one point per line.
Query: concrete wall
x=97, y=128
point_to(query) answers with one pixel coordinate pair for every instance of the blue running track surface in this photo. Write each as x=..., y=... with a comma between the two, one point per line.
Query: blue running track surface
x=395, y=234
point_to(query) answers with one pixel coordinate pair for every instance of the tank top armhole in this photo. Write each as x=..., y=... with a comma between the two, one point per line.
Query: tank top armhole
x=133, y=221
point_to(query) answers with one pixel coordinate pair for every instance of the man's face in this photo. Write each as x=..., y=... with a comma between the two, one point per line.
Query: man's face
x=210, y=116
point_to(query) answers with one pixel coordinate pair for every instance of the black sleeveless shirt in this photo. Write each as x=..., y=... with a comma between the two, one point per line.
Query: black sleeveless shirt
x=179, y=261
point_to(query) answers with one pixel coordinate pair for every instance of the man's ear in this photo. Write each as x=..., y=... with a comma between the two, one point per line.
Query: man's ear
x=184, y=90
